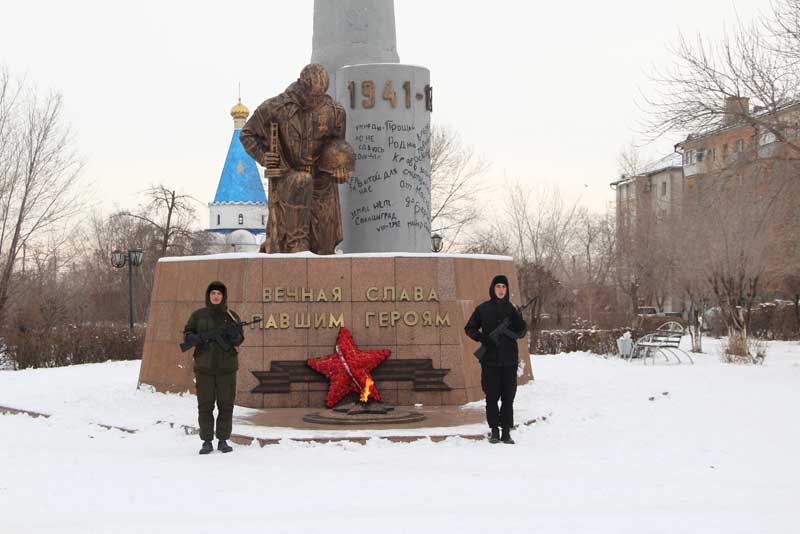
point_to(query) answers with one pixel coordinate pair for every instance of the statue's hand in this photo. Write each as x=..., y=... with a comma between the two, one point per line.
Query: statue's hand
x=272, y=165
x=341, y=175
x=271, y=160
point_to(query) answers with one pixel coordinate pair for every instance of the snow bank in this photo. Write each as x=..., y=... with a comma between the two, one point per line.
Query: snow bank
x=702, y=448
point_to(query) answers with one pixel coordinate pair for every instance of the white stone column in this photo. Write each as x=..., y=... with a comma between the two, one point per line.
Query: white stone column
x=386, y=205
x=349, y=32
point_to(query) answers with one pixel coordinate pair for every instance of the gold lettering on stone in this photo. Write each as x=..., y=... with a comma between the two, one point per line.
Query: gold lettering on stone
x=395, y=317
x=291, y=294
x=411, y=318
x=418, y=295
x=336, y=321
x=271, y=322
x=337, y=294
x=321, y=297
x=386, y=292
x=404, y=296
x=443, y=321
x=267, y=294
x=257, y=317
x=284, y=321
x=370, y=315
x=371, y=290
x=306, y=295
x=279, y=294
x=433, y=296
x=427, y=319
x=319, y=320
x=302, y=320
x=383, y=318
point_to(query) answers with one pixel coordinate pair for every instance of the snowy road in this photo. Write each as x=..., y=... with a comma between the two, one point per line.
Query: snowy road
x=716, y=453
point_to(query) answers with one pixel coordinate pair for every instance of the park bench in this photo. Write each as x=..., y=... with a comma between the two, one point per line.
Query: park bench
x=665, y=340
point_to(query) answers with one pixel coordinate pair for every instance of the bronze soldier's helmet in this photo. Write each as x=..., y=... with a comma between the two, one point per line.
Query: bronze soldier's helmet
x=336, y=155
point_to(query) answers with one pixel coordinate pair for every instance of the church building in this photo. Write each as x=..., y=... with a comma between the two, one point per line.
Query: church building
x=238, y=214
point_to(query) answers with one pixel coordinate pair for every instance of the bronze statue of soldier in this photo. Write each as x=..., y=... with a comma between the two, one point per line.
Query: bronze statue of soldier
x=298, y=137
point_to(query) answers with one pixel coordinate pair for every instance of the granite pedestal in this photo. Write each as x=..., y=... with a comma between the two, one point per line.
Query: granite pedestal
x=415, y=305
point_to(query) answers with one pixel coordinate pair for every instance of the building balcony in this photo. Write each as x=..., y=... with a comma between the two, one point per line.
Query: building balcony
x=694, y=169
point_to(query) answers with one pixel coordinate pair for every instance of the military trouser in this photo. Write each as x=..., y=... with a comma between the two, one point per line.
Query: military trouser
x=499, y=384
x=219, y=389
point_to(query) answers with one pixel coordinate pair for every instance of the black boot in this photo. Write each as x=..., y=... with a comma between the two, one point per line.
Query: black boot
x=494, y=437
x=507, y=436
x=206, y=448
x=223, y=446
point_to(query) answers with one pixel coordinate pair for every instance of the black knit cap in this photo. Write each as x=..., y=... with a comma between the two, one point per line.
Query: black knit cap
x=499, y=279
x=219, y=286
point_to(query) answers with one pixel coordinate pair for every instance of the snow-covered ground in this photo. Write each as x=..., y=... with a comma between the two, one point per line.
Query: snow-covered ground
x=715, y=450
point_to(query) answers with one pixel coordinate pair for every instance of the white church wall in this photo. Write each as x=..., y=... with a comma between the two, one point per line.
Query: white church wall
x=226, y=216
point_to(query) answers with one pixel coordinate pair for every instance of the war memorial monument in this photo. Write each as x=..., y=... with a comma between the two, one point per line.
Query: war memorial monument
x=347, y=263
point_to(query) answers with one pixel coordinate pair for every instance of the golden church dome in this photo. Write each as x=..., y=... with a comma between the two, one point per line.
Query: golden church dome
x=240, y=111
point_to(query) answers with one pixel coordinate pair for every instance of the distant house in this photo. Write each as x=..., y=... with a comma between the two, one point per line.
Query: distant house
x=643, y=202
x=748, y=142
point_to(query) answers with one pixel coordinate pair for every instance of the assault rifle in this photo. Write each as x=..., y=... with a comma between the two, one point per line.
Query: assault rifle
x=501, y=330
x=218, y=334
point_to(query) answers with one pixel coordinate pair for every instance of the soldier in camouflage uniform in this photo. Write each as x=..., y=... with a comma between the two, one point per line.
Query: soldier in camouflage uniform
x=215, y=366
x=304, y=209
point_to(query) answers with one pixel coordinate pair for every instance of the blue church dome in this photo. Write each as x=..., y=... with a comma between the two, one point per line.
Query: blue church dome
x=240, y=181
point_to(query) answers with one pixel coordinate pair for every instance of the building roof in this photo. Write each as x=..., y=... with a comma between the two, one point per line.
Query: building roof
x=757, y=113
x=240, y=181
x=675, y=159
x=670, y=161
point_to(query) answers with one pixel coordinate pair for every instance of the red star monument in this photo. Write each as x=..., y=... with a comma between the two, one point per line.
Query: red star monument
x=348, y=368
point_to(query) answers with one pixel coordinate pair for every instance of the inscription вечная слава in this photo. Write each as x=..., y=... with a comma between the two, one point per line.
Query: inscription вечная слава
x=425, y=318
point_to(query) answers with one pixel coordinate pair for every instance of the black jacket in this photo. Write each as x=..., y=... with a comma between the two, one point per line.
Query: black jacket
x=486, y=317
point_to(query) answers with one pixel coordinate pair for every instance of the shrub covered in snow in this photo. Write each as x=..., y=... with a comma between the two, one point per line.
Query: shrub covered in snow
x=580, y=340
x=737, y=349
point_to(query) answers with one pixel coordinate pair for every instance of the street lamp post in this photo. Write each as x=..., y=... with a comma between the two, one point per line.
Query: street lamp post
x=436, y=243
x=134, y=259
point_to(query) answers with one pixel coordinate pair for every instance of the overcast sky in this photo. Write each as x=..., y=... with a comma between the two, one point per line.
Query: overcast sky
x=547, y=92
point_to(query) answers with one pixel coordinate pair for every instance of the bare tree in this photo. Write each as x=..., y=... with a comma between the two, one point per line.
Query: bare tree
x=713, y=85
x=456, y=173
x=541, y=226
x=742, y=220
x=38, y=173
x=791, y=287
x=783, y=26
x=740, y=207
x=595, y=256
x=629, y=161
x=170, y=215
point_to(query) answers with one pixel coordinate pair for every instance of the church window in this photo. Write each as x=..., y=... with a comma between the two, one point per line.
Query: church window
x=217, y=219
x=241, y=219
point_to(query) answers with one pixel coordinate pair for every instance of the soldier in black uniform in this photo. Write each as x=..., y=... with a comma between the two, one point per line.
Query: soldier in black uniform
x=215, y=366
x=499, y=364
